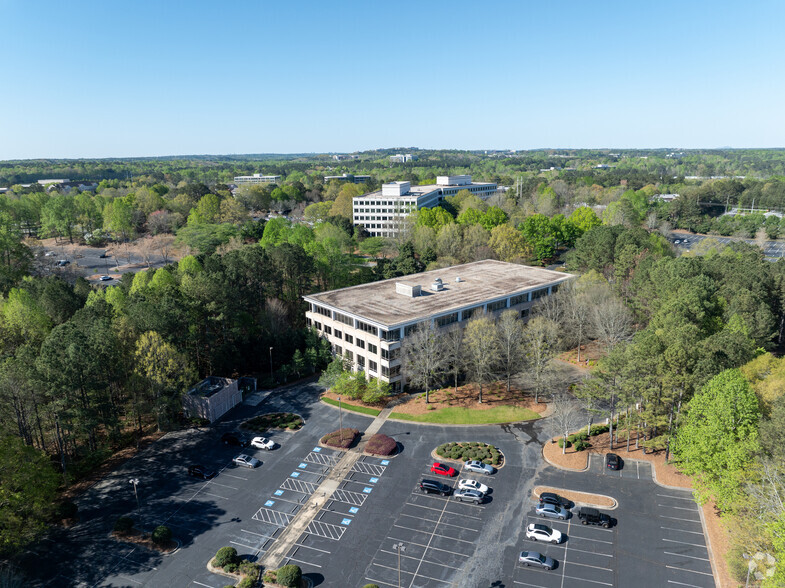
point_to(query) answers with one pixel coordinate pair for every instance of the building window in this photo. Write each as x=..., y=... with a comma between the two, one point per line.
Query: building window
x=372, y=348
x=367, y=328
x=328, y=330
x=519, y=299
x=338, y=334
x=498, y=305
x=361, y=361
x=391, y=372
x=342, y=318
x=337, y=350
x=539, y=293
x=447, y=319
x=390, y=354
x=321, y=310
x=555, y=288
x=372, y=366
x=394, y=335
x=318, y=326
x=348, y=355
x=348, y=338
x=470, y=312
x=409, y=329
x=360, y=343
x=524, y=313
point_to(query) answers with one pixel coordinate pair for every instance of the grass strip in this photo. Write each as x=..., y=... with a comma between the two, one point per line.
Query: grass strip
x=352, y=407
x=468, y=416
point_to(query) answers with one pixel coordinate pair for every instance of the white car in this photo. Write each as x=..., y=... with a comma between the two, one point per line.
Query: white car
x=472, y=485
x=478, y=467
x=537, y=532
x=262, y=443
x=246, y=461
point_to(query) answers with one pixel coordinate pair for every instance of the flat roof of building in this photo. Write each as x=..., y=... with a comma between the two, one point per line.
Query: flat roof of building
x=480, y=281
x=421, y=190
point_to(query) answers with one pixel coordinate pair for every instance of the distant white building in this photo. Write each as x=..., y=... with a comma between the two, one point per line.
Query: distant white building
x=256, y=179
x=665, y=197
x=348, y=178
x=402, y=158
x=381, y=212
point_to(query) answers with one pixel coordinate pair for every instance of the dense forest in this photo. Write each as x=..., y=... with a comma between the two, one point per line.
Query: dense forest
x=86, y=370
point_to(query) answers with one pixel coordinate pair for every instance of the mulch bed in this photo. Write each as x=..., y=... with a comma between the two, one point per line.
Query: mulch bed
x=140, y=538
x=467, y=396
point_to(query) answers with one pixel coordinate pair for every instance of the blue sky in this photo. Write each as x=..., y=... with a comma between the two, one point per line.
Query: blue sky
x=138, y=78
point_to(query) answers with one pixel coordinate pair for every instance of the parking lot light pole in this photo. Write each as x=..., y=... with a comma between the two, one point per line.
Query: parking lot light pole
x=399, y=547
x=271, y=363
x=340, y=419
x=135, y=481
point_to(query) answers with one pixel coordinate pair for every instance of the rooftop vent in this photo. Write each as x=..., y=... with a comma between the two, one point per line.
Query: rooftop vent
x=437, y=285
x=409, y=290
x=458, y=279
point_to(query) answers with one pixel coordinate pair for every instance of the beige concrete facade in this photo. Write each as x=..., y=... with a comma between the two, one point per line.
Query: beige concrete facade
x=367, y=323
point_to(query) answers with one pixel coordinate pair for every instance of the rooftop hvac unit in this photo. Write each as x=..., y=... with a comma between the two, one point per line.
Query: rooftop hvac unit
x=437, y=285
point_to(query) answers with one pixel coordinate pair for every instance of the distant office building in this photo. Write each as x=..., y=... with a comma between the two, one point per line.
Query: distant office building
x=402, y=158
x=381, y=212
x=348, y=178
x=665, y=197
x=366, y=324
x=256, y=179
x=53, y=181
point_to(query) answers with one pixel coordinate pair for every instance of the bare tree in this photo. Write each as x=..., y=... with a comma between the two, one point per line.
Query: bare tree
x=611, y=321
x=566, y=415
x=538, y=338
x=163, y=244
x=423, y=357
x=454, y=353
x=146, y=248
x=482, y=350
x=509, y=329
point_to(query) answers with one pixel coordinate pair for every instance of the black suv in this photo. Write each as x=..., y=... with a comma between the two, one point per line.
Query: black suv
x=551, y=498
x=591, y=516
x=199, y=471
x=236, y=439
x=434, y=487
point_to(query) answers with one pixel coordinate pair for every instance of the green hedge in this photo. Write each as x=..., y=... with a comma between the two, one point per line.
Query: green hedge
x=225, y=555
x=279, y=420
x=463, y=451
x=123, y=525
x=290, y=576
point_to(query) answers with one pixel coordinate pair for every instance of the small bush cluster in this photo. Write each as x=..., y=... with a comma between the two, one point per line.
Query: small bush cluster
x=162, y=535
x=371, y=586
x=561, y=443
x=123, y=525
x=599, y=429
x=356, y=387
x=279, y=420
x=579, y=440
x=342, y=438
x=225, y=556
x=463, y=451
x=381, y=445
x=228, y=560
x=290, y=576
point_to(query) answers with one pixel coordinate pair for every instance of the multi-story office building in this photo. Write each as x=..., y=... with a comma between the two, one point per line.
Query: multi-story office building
x=367, y=324
x=403, y=158
x=381, y=212
x=256, y=179
x=348, y=178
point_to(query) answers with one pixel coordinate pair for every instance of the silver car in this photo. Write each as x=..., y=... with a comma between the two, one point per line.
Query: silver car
x=475, y=465
x=533, y=558
x=551, y=511
x=246, y=461
x=469, y=496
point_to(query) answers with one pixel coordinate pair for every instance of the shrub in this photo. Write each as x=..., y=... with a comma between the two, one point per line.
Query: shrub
x=248, y=568
x=381, y=445
x=66, y=510
x=231, y=568
x=247, y=582
x=599, y=429
x=162, y=535
x=561, y=442
x=580, y=445
x=371, y=586
x=225, y=555
x=289, y=575
x=123, y=525
x=342, y=438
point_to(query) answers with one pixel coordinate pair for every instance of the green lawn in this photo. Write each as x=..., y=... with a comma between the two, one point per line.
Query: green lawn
x=345, y=406
x=468, y=416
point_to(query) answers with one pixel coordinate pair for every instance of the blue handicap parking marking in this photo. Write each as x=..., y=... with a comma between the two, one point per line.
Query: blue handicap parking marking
x=278, y=492
x=302, y=465
x=374, y=480
x=295, y=475
x=316, y=449
x=385, y=462
x=269, y=503
x=354, y=510
x=346, y=521
x=367, y=489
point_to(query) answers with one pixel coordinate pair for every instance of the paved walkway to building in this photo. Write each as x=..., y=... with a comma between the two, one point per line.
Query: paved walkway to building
x=286, y=540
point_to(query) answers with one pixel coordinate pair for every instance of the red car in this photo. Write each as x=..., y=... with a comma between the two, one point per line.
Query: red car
x=443, y=469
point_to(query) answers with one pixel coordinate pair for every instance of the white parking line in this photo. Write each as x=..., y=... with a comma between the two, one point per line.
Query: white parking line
x=590, y=539
x=683, y=555
x=683, y=584
x=438, y=509
x=679, y=519
x=434, y=533
x=447, y=524
x=243, y=545
x=434, y=548
x=677, y=497
x=314, y=548
x=435, y=563
x=688, y=570
x=591, y=552
x=683, y=531
x=526, y=584
x=410, y=574
x=200, y=584
x=678, y=507
x=233, y=476
x=215, y=495
x=575, y=563
x=570, y=577
x=304, y=562
x=380, y=582
x=685, y=543
x=223, y=485
x=257, y=534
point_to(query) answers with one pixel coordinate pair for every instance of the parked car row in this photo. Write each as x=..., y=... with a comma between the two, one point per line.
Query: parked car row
x=235, y=439
x=466, y=490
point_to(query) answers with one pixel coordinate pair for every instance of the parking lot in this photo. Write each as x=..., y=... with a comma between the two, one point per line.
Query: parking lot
x=772, y=250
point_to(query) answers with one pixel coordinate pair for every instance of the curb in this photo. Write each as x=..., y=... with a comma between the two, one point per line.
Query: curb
x=561, y=467
x=714, y=569
x=439, y=458
x=370, y=416
x=591, y=504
